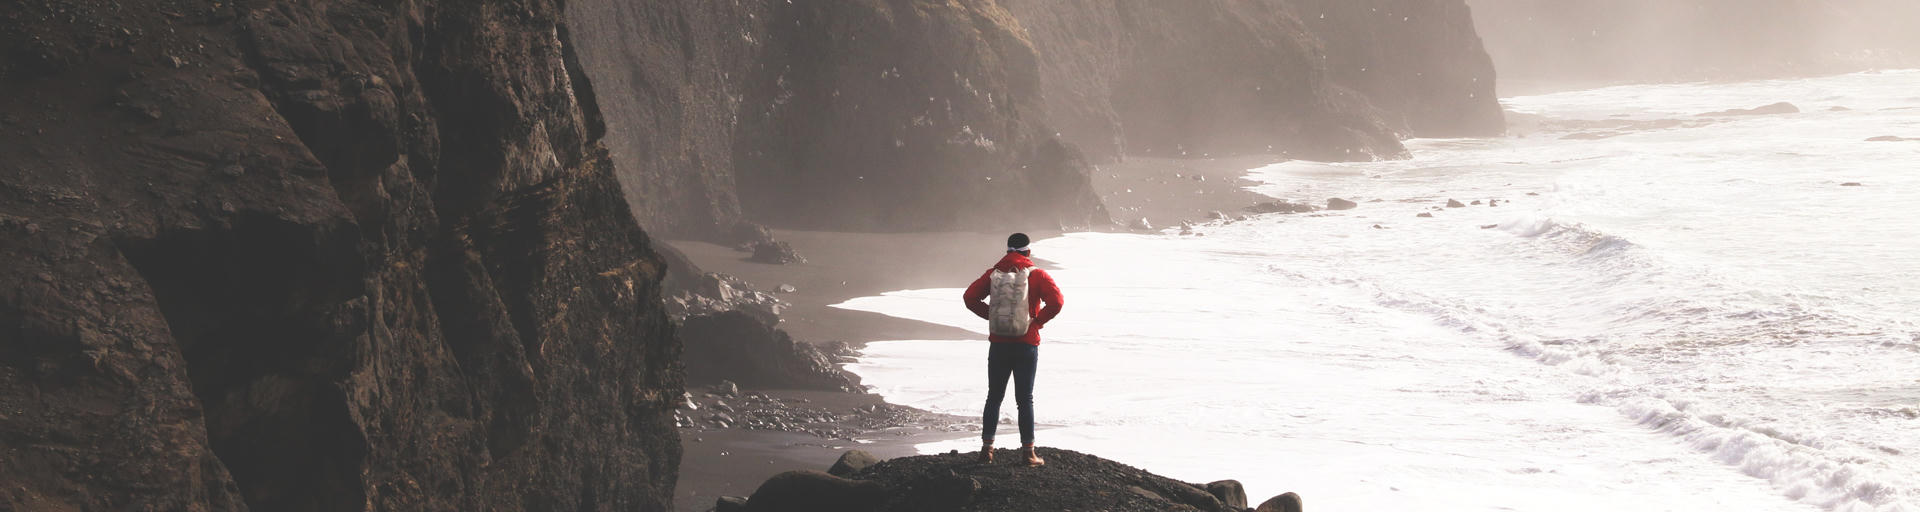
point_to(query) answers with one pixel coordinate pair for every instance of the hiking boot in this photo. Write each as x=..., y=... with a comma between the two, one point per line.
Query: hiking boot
x=986, y=453
x=1033, y=456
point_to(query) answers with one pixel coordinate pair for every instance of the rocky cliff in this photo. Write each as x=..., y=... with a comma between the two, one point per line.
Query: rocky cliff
x=1327, y=80
x=875, y=115
x=916, y=114
x=319, y=255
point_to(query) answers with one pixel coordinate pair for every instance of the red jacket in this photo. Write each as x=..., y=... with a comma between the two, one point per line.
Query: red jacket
x=1040, y=288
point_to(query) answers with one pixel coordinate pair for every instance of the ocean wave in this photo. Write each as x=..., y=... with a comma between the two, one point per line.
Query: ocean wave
x=1580, y=238
x=1804, y=468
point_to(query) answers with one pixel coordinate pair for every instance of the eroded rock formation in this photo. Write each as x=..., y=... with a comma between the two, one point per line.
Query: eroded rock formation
x=910, y=114
x=863, y=114
x=319, y=255
x=1327, y=80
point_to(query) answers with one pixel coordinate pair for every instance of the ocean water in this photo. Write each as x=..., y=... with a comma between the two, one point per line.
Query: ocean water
x=1691, y=315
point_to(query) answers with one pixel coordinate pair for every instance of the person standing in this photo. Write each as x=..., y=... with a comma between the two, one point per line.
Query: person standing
x=1016, y=299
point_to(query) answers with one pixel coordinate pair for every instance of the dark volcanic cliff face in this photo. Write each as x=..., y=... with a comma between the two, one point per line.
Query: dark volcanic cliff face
x=886, y=114
x=667, y=75
x=1420, y=63
x=915, y=114
x=1333, y=80
x=861, y=115
x=319, y=255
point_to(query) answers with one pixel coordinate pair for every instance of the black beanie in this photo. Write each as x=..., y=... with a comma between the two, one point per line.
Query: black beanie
x=1016, y=241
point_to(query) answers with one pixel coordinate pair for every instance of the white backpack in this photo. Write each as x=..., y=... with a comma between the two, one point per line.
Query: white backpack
x=1008, y=314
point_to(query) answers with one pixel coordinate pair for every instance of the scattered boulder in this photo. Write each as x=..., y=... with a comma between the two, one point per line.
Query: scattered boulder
x=851, y=462
x=1288, y=502
x=1776, y=108
x=1425, y=214
x=786, y=288
x=730, y=504
x=747, y=235
x=1475, y=202
x=776, y=253
x=809, y=490
x=1229, y=492
x=713, y=292
x=1340, y=204
x=727, y=388
x=1591, y=135
x=1281, y=207
x=1493, y=202
x=1851, y=184
x=1489, y=226
x=1455, y=204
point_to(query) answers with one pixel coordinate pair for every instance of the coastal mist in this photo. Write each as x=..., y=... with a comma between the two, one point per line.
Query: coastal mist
x=1670, y=304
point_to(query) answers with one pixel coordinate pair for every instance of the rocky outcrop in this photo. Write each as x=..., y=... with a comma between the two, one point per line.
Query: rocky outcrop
x=743, y=348
x=319, y=255
x=1325, y=80
x=1419, y=63
x=1763, y=110
x=859, y=115
x=668, y=76
x=1070, y=481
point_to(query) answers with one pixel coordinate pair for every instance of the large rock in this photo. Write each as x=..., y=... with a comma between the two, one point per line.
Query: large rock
x=1281, y=207
x=776, y=253
x=1229, y=492
x=1340, y=204
x=1769, y=109
x=809, y=491
x=317, y=255
x=1069, y=481
x=1288, y=502
x=852, y=462
x=740, y=347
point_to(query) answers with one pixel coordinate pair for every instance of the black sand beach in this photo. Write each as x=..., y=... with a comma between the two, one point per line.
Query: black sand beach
x=840, y=266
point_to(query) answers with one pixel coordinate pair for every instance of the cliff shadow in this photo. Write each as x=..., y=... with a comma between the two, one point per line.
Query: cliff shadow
x=264, y=312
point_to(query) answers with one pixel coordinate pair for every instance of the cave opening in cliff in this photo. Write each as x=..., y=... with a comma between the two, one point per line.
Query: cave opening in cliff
x=264, y=315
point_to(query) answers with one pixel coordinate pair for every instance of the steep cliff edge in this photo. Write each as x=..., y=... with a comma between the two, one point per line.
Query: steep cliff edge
x=869, y=115
x=1325, y=80
x=319, y=255
x=892, y=115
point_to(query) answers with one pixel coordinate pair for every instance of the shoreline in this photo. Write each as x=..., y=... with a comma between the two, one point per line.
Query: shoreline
x=733, y=461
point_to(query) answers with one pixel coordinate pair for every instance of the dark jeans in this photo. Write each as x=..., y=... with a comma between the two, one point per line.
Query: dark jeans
x=1018, y=360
